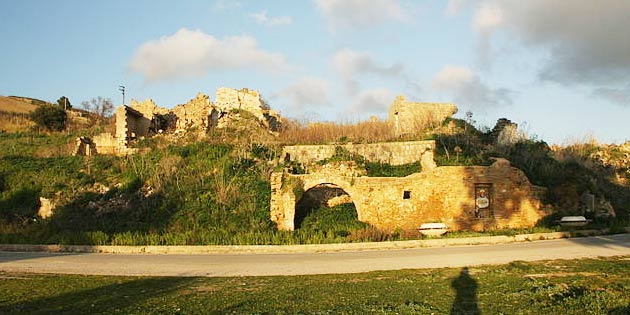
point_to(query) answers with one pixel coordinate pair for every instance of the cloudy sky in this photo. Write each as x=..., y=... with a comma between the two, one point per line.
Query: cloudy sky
x=559, y=68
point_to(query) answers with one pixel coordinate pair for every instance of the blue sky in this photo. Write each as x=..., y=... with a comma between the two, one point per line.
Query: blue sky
x=560, y=69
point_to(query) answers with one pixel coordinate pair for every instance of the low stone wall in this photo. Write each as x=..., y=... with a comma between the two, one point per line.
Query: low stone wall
x=394, y=153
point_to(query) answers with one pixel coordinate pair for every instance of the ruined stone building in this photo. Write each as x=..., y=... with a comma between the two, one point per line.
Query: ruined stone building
x=143, y=119
x=405, y=116
x=462, y=197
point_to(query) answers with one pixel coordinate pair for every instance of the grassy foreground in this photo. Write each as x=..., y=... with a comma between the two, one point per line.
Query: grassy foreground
x=592, y=286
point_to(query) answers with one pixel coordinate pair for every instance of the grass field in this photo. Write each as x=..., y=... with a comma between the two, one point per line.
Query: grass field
x=12, y=105
x=593, y=286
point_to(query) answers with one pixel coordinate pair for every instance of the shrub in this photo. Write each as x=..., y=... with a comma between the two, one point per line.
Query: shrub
x=49, y=117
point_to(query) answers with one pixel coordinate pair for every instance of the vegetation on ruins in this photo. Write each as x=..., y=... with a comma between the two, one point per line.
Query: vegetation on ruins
x=213, y=188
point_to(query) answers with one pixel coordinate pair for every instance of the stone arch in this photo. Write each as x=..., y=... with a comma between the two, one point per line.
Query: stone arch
x=315, y=196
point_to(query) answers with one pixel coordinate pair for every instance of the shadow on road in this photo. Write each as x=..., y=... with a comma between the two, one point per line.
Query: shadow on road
x=108, y=299
x=466, y=294
x=604, y=241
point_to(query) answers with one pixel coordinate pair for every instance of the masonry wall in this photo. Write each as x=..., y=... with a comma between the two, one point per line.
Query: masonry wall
x=107, y=144
x=394, y=153
x=444, y=194
x=408, y=117
x=244, y=99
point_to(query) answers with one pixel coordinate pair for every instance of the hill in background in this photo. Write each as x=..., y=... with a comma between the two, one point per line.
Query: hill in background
x=20, y=105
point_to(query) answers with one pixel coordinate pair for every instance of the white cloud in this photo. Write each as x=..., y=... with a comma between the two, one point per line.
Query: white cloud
x=467, y=88
x=342, y=14
x=306, y=92
x=586, y=41
x=262, y=18
x=351, y=64
x=190, y=53
x=487, y=16
x=454, y=7
x=374, y=101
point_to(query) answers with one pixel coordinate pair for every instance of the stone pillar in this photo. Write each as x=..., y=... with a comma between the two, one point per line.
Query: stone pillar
x=426, y=160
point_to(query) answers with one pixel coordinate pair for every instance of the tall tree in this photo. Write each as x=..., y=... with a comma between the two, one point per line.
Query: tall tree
x=103, y=107
x=64, y=102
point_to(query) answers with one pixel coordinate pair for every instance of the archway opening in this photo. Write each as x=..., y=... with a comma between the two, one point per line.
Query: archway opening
x=327, y=208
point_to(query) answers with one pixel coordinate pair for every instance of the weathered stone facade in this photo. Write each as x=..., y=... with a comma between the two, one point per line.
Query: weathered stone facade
x=143, y=119
x=394, y=153
x=463, y=197
x=408, y=117
x=194, y=114
x=228, y=99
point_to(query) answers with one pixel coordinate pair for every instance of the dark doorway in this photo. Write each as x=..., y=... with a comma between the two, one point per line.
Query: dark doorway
x=321, y=196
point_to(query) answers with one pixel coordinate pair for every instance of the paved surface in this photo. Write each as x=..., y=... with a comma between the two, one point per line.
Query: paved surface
x=217, y=265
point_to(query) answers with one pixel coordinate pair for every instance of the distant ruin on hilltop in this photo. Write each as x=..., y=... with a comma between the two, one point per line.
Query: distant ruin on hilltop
x=145, y=119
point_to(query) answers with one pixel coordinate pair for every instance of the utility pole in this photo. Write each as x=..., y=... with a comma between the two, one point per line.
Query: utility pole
x=122, y=89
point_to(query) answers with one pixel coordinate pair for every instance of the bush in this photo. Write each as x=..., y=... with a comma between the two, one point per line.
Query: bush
x=49, y=117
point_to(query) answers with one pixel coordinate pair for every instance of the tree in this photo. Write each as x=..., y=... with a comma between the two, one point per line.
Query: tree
x=50, y=117
x=103, y=107
x=64, y=102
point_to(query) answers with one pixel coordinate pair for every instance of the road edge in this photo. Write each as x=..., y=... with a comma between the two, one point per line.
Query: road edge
x=308, y=248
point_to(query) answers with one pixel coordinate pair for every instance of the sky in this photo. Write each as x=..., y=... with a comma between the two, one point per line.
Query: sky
x=560, y=69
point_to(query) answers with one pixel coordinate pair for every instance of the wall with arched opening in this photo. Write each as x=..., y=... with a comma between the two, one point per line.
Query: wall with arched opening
x=450, y=194
x=322, y=202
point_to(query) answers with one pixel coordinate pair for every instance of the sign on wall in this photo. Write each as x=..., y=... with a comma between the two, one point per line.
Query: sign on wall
x=483, y=201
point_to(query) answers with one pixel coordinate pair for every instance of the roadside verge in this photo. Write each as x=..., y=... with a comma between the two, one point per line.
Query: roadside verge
x=308, y=248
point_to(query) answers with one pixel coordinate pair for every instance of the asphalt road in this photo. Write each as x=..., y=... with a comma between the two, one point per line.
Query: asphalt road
x=220, y=265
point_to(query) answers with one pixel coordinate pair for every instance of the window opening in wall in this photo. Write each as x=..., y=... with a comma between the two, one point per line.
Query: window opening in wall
x=407, y=194
x=483, y=201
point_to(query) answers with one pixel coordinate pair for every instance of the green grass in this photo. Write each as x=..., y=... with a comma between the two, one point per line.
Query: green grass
x=591, y=286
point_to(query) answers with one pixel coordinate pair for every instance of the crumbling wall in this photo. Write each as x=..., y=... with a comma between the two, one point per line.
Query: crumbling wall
x=408, y=117
x=143, y=119
x=394, y=153
x=84, y=146
x=228, y=99
x=194, y=114
x=130, y=124
x=453, y=195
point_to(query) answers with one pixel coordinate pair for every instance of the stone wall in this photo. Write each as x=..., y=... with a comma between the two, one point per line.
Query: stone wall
x=194, y=114
x=228, y=99
x=130, y=124
x=394, y=153
x=84, y=146
x=444, y=194
x=143, y=119
x=408, y=117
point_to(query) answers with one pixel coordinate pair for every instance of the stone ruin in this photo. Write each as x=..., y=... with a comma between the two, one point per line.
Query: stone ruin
x=406, y=116
x=462, y=197
x=145, y=119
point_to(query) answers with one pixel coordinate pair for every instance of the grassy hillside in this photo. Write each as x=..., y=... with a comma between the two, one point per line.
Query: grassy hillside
x=216, y=191
x=16, y=105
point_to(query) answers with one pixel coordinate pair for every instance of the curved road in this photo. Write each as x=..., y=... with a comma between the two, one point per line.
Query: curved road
x=217, y=265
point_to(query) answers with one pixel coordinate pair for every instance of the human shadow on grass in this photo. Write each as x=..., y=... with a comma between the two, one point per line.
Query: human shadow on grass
x=466, y=294
x=108, y=299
